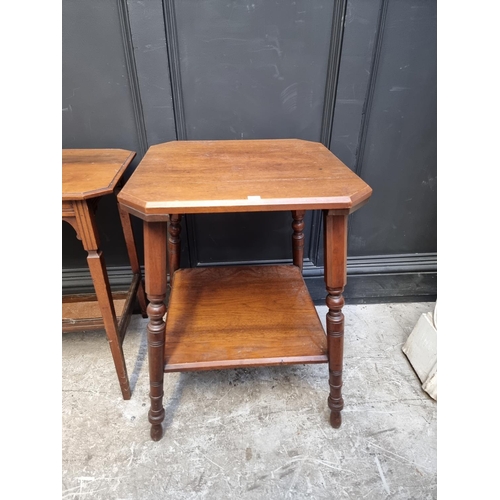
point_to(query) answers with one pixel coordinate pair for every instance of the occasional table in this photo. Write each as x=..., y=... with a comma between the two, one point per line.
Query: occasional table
x=87, y=175
x=241, y=316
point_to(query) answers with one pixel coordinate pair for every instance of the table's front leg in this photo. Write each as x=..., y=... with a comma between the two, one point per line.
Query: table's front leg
x=87, y=231
x=155, y=259
x=335, y=240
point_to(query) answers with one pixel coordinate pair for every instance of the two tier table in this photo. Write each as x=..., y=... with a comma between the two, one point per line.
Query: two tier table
x=241, y=316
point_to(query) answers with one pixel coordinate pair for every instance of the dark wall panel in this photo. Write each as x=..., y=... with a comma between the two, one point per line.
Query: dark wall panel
x=97, y=106
x=399, y=151
x=361, y=22
x=151, y=60
x=253, y=69
x=258, y=236
x=96, y=101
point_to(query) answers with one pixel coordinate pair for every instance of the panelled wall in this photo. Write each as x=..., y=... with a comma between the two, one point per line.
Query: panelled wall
x=358, y=76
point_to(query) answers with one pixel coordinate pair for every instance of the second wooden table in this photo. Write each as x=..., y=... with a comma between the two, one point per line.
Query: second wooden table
x=227, y=317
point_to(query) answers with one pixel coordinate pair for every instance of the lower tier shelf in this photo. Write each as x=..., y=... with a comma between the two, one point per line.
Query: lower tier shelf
x=82, y=312
x=229, y=317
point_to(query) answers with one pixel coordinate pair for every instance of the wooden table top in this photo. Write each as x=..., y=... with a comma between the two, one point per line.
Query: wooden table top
x=87, y=173
x=240, y=176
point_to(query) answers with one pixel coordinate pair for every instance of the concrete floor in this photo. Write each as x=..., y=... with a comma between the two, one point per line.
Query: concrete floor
x=258, y=433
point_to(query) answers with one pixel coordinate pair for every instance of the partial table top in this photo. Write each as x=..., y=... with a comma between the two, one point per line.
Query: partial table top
x=87, y=173
x=240, y=176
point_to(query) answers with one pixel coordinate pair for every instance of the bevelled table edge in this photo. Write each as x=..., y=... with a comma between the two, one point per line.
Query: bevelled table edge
x=167, y=144
x=104, y=190
x=154, y=212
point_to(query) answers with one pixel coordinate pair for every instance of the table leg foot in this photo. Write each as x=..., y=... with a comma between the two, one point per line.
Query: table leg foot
x=335, y=419
x=335, y=339
x=156, y=341
x=126, y=393
x=156, y=432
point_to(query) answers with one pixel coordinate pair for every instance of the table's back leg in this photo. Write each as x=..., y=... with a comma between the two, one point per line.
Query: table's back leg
x=128, y=233
x=155, y=257
x=174, y=245
x=298, y=238
x=335, y=241
x=87, y=231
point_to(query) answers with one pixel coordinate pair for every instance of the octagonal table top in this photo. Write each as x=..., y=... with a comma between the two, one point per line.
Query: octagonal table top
x=240, y=176
x=88, y=173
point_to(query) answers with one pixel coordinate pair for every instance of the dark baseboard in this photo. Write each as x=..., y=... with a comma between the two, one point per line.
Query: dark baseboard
x=374, y=279
x=383, y=278
x=75, y=281
x=381, y=288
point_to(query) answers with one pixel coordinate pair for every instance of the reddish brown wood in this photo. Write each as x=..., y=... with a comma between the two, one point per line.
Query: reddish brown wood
x=174, y=245
x=81, y=312
x=86, y=176
x=241, y=176
x=132, y=254
x=155, y=260
x=183, y=177
x=128, y=307
x=335, y=241
x=86, y=224
x=90, y=173
x=99, y=275
x=272, y=319
x=68, y=213
x=87, y=230
x=298, y=238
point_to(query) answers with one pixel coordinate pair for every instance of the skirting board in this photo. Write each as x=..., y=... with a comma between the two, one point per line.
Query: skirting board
x=377, y=279
x=381, y=288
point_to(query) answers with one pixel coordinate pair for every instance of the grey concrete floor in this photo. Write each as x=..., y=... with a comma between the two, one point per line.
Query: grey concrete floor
x=260, y=433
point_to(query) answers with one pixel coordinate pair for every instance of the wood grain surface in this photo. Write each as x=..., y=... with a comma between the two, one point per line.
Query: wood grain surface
x=225, y=317
x=244, y=175
x=87, y=173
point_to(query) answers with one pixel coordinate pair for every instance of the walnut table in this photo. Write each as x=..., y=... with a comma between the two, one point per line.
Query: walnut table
x=227, y=317
x=88, y=174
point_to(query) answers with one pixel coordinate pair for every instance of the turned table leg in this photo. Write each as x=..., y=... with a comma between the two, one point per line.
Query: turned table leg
x=298, y=238
x=335, y=241
x=87, y=230
x=155, y=258
x=174, y=245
